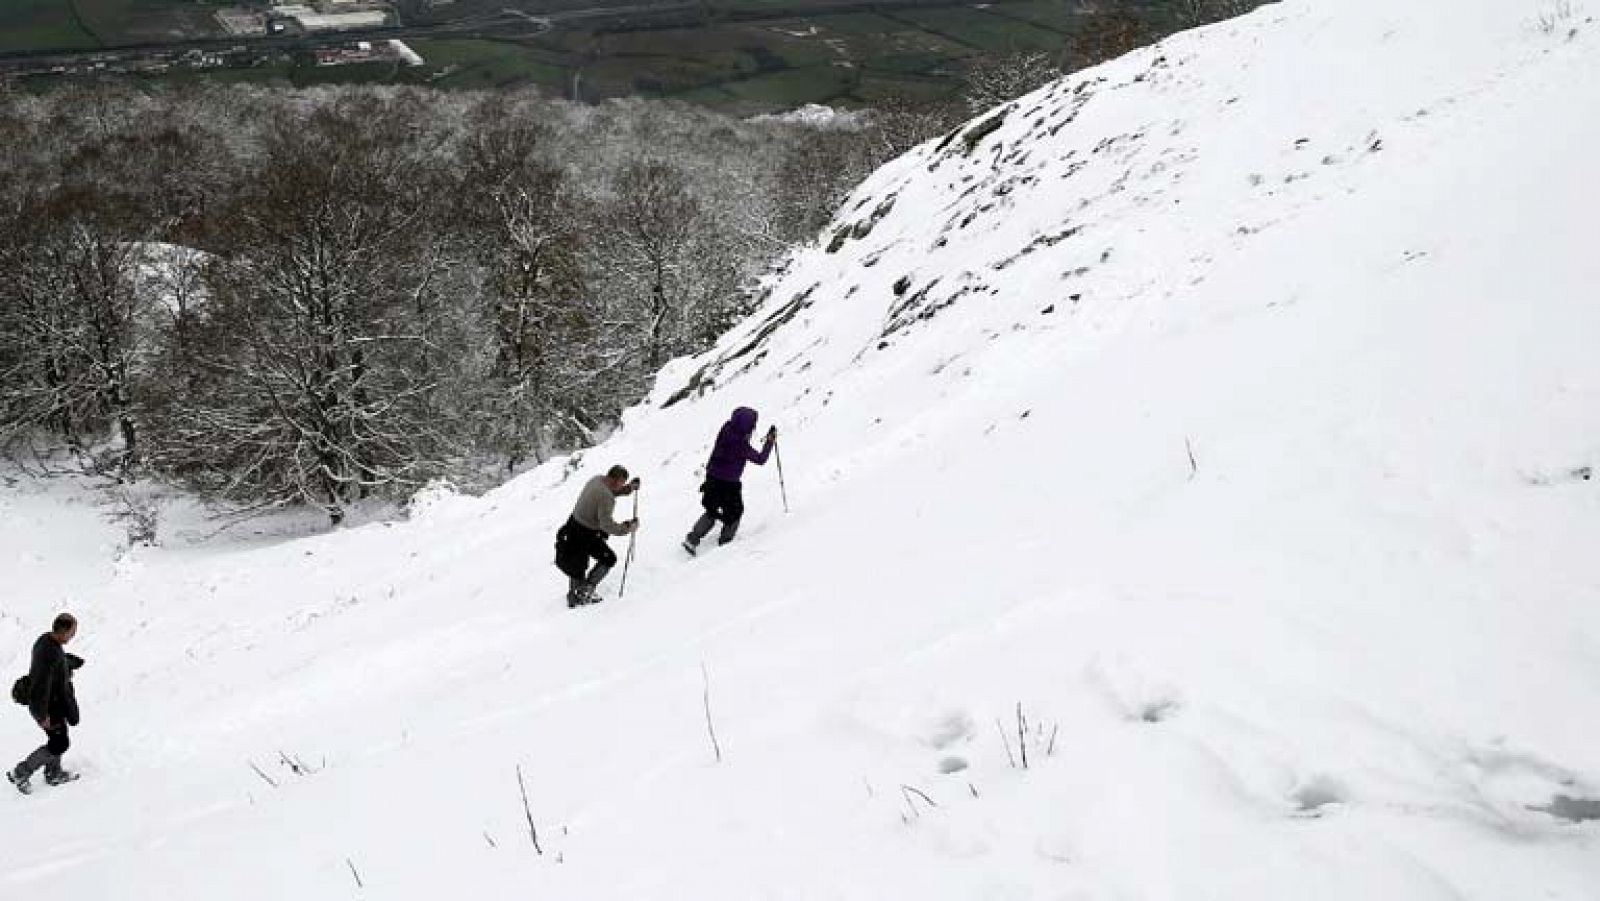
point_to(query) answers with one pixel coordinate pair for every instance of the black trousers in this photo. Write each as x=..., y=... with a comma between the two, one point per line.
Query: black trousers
x=576, y=545
x=722, y=501
x=58, y=739
x=47, y=755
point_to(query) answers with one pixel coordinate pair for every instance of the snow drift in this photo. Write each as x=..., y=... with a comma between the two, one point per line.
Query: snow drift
x=1213, y=427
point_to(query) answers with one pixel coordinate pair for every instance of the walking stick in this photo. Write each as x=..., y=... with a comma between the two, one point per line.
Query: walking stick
x=632, y=537
x=777, y=451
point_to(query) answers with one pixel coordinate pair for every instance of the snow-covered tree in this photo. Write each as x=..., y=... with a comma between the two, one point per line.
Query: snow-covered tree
x=312, y=296
x=992, y=81
x=319, y=357
x=73, y=256
x=522, y=225
x=648, y=238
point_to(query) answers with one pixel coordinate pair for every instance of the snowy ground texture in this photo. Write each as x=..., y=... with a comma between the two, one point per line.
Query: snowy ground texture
x=1227, y=407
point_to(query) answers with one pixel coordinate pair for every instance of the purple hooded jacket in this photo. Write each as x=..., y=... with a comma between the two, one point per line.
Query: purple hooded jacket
x=733, y=448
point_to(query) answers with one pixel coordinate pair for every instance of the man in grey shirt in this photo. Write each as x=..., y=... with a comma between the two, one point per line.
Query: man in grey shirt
x=583, y=538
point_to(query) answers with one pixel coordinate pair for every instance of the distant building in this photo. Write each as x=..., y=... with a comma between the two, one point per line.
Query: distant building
x=406, y=55
x=367, y=52
x=237, y=21
x=314, y=19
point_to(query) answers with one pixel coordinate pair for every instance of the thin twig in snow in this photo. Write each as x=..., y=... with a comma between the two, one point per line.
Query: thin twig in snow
x=1194, y=467
x=1022, y=734
x=999, y=727
x=1051, y=749
x=298, y=766
x=710, y=727
x=906, y=792
x=261, y=774
x=919, y=793
x=353, y=872
x=533, y=832
x=911, y=807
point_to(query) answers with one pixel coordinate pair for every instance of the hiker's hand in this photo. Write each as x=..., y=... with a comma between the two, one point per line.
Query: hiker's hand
x=634, y=484
x=633, y=526
x=772, y=433
x=45, y=724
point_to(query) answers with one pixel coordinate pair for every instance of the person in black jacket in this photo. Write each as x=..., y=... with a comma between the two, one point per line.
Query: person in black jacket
x=52, y=703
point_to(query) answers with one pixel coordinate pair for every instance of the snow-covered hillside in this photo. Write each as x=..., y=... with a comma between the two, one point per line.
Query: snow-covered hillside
x=1228, y=408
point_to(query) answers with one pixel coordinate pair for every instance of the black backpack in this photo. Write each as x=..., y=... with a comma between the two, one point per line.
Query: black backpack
x=19, y=690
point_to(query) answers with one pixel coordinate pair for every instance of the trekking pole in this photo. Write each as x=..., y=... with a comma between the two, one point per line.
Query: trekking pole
x=632, y=537
x=777, y=450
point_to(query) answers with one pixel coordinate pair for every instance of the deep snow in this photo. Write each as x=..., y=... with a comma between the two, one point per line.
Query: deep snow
x=1226, y=407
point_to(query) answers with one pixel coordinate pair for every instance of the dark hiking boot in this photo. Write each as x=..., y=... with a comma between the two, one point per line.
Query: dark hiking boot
x=580, y=593
x=23, y=785
x=61, y=777
x=691, y=547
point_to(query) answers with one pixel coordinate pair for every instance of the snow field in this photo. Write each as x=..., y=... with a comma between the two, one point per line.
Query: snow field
x=1273, y=522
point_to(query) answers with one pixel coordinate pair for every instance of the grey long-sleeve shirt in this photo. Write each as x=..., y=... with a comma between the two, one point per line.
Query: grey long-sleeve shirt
x=596, y=508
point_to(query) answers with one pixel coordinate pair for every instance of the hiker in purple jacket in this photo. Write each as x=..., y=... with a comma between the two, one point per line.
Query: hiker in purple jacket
x=722, y=495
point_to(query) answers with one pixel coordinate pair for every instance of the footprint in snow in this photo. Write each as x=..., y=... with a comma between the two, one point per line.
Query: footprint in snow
x=1135, y=694
x=1513, y=786
x=951, y=728
x=1159, y=710
x=1573, y=810
x=1315, y=796
x=1575, y=474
